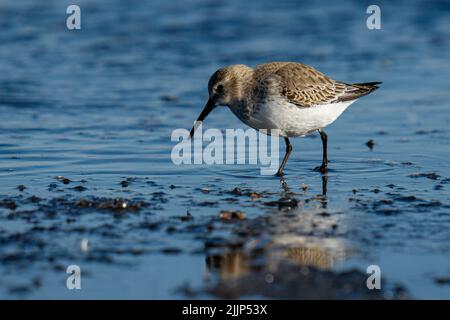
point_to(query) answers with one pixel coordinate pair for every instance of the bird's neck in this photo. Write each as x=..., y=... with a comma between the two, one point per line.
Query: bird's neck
x=242, y=88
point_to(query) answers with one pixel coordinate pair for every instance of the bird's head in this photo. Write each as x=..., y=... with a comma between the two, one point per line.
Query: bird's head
x=225, y=87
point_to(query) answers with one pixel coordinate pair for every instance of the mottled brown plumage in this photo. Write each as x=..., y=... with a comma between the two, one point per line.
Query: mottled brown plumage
x=304, y=86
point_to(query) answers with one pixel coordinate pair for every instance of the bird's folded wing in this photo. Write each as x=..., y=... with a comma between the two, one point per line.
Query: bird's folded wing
x=305, y=87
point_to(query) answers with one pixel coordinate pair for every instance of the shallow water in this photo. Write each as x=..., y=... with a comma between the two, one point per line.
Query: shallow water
x=98, y=107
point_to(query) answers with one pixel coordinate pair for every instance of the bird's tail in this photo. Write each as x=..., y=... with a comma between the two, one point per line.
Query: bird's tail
x=368, y=84
x=357, y=90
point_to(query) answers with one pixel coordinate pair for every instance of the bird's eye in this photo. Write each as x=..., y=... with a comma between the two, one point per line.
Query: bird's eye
x=219, y=88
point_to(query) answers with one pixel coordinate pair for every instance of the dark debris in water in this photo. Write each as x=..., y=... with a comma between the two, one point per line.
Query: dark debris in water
x=442, y=280
x=52, y=186
x=187, y=217
x=171, y=250
x=208, y=203
x=9, y=204
x=169, y=98
x=428, y=175
x=370, y=144
x=231, y=215
x=115, y=205
x=236, y=191
x=283, y=203
x=425, y=132
x=79, y=188
x=253, y=195
x=63, y=179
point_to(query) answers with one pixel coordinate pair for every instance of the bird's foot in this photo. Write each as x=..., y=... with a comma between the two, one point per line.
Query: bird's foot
x=322, y=169
x=279, y=173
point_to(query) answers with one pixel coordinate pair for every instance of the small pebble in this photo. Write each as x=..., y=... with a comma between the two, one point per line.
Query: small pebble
x=229, y=215
x=169, y=98
x=370, y=144
x=237, y=191
x=255, y=195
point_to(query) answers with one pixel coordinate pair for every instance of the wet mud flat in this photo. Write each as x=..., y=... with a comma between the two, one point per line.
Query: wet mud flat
x=210, y=235
x=285, y=251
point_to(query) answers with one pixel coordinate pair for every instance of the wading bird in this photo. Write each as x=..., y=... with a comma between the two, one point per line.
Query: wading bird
x=292, y=98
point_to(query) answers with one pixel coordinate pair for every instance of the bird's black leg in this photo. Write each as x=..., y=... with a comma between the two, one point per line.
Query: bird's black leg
x=286, y=156
x=324, y=167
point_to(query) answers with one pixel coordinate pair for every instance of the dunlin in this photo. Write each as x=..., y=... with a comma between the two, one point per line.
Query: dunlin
x=293, y=98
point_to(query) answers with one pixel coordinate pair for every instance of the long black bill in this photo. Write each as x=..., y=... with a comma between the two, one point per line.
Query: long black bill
x=206, y=110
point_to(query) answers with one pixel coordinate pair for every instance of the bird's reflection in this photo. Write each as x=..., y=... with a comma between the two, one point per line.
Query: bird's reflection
x=284, y=185
x=300, y=235
x=310, y=256
x=324, y=184
x=287, y=190
x=228, y=265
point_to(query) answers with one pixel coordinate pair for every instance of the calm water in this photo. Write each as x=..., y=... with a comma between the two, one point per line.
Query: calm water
x=98, y=106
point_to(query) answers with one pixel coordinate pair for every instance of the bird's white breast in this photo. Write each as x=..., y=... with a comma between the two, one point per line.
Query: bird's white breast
x=293, y=120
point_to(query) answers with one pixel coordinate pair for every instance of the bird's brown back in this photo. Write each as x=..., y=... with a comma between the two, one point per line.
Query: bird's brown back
x=303, y=85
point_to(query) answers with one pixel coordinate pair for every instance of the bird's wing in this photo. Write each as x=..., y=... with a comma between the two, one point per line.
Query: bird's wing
x=306, y=87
